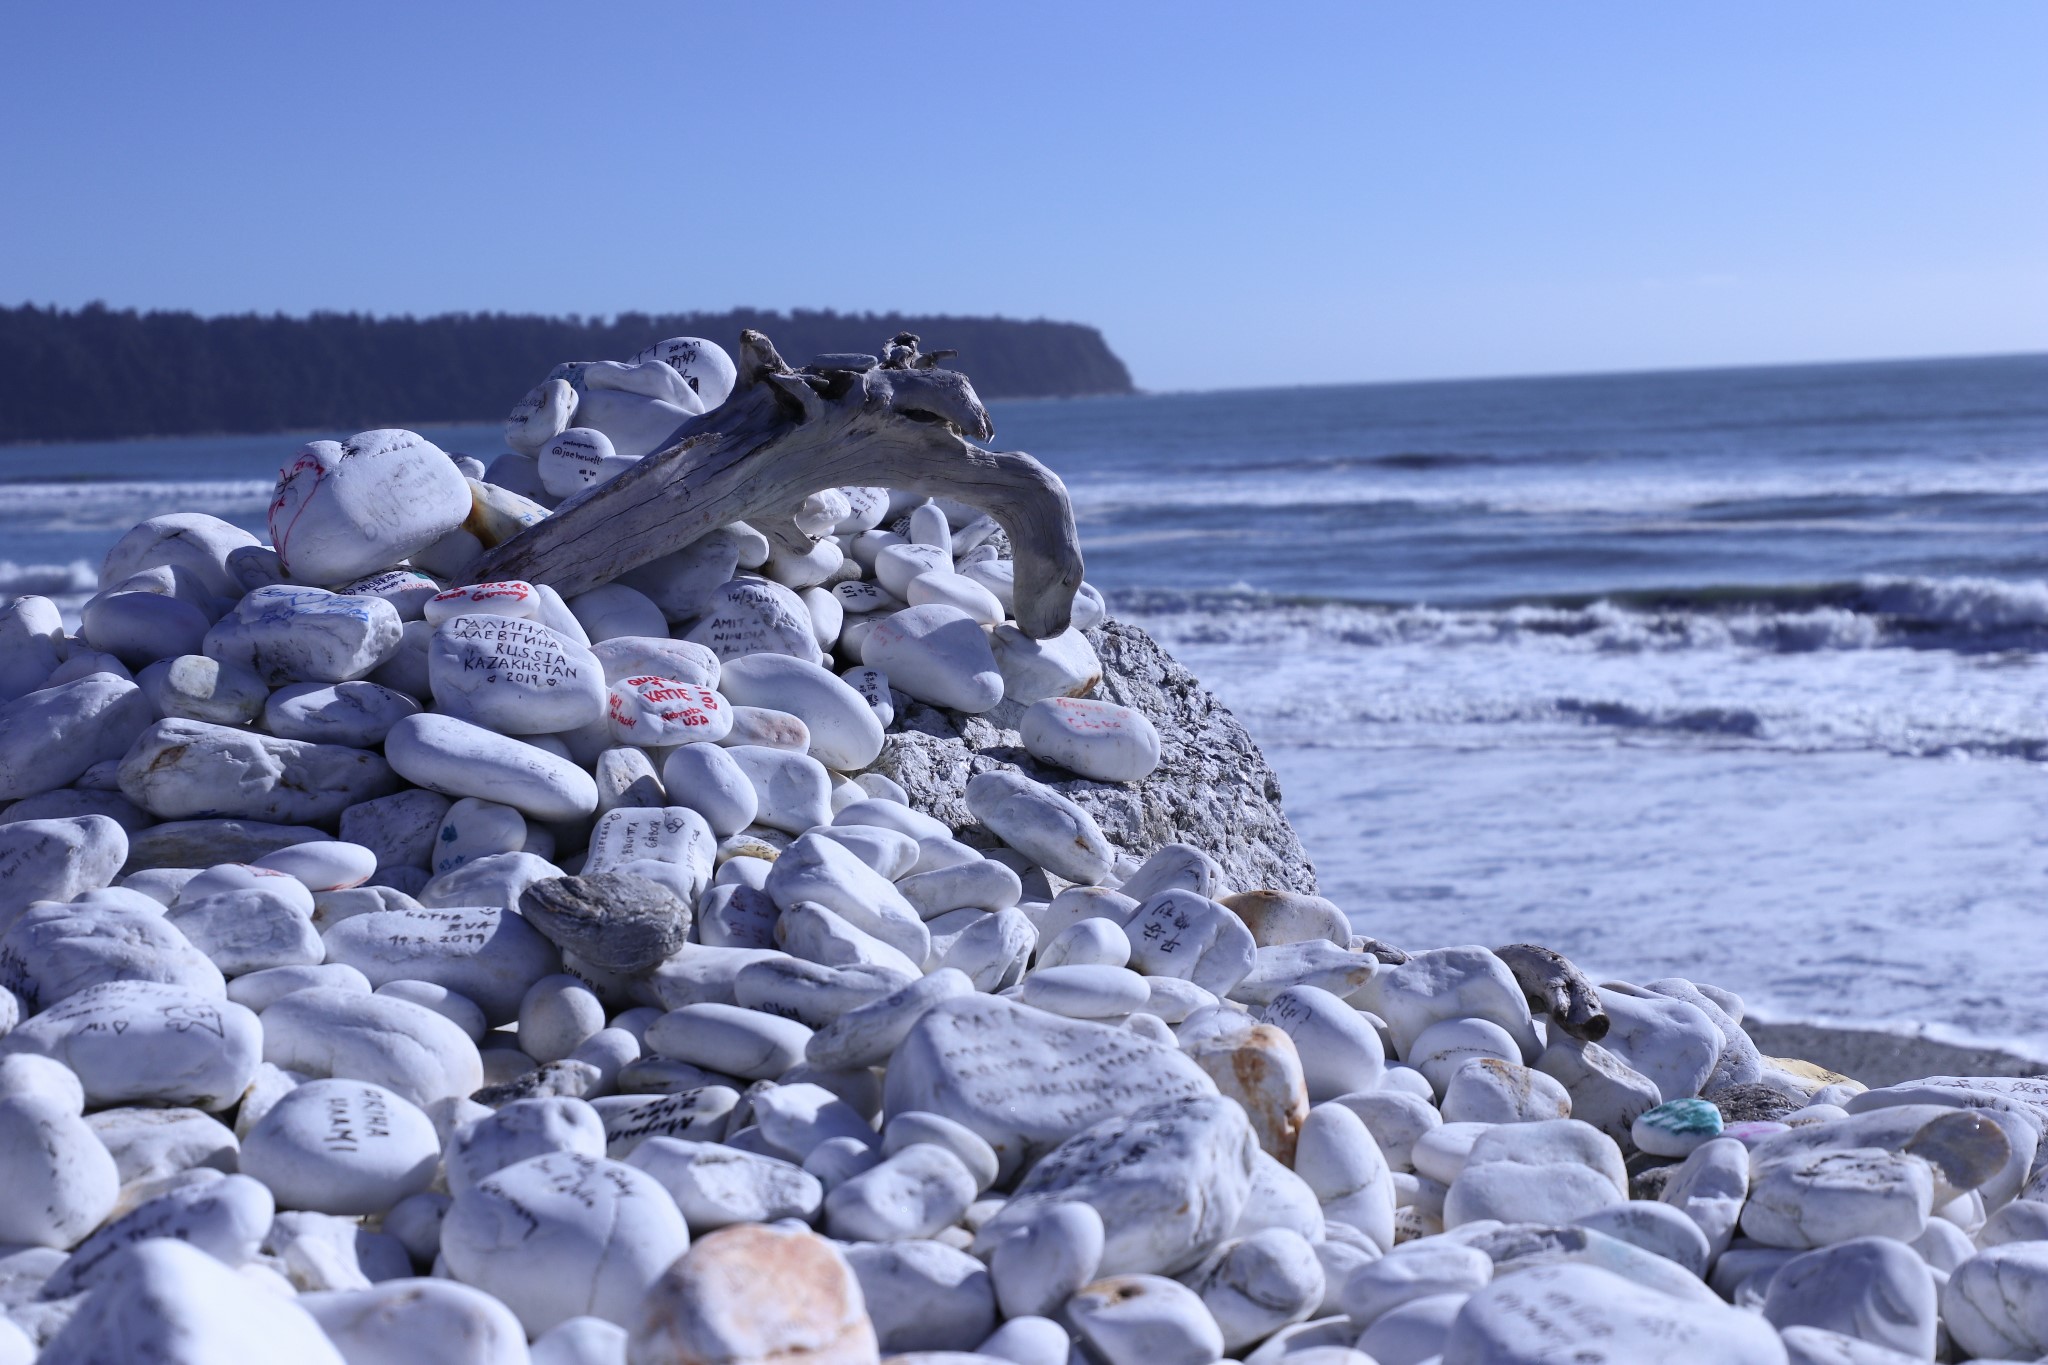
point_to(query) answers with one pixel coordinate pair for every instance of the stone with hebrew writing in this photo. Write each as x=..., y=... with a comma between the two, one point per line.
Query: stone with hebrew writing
x=343, y=1147
x=1027, y=1080
x=348, y=508
x=148, y=1042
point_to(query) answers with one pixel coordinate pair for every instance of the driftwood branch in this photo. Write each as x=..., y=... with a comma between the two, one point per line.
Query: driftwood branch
x=784, y=434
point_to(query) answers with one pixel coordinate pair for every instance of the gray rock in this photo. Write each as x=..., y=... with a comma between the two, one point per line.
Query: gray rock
x=613, y=920
x=1212, y=789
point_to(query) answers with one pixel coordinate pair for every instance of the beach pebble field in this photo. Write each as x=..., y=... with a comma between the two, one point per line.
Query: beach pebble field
x=400, y=967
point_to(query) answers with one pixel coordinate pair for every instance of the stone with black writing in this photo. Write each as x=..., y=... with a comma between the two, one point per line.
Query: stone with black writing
x=404, y=1047
x=346, y=508
x=50, y=736
x=226, y=1217
x=563, y=1235
x=485, y=952
x=754, y=616
x=148, y=1042
x=285, y=634
x=517, y=677
x=1026, y=1080
x=407, y=590
x=342, y=1147
x=186, y=769
x=1182, y=934
x=248, y=930
x=580, y=458
x=61, y=1180
x=55, y=860
x=54, y=950
x=161, y=1300
x=700, y=1113
x=675, y=835
x=517, y=1132
x=1583, y=1313
x=715, y=1186
x=456, y=758
x=937, y=654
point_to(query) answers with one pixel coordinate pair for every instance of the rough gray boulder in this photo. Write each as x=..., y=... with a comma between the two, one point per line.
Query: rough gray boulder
x=1213, y=788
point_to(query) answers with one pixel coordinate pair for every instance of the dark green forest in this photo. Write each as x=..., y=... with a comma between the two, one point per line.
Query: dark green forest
x=96, y=373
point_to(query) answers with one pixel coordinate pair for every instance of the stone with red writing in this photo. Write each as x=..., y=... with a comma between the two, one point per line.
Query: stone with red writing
x=652, y=712
x=514, y=676
x=486, y=952
x=1097, y=739
x=754, y=616
x=347, y=508
x=342, y=1147
x=505, y=597
x=626, y=656
x=564, y=1235
x=145, y=1042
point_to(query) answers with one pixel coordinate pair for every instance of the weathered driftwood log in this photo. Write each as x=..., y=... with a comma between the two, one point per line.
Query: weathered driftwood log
x=783, y=434
x=1557, y=987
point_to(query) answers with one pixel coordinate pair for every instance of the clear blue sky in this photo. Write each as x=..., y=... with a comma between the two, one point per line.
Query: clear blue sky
x=1237, y=194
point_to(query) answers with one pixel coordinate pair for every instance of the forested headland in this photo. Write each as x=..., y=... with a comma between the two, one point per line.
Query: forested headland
x=98, y=373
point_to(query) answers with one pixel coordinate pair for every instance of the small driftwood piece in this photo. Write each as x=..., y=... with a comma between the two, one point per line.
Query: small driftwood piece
x=1556, y=987
x=850, y=420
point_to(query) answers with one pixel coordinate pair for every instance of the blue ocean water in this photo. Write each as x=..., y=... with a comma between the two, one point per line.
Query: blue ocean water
x=1735, y=674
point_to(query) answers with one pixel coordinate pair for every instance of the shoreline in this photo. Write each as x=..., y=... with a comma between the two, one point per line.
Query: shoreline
x=1881, y=1057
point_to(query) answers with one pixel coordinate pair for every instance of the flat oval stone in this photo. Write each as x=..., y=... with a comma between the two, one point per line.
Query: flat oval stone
x=459, y=759
x=513, y=676
x=564, y=1235
x=845, y=732
x=147, y=1042
x=343, y=509
x=342, y=1147
x=728, y=1039
x=939, y=655
x=652, y=712
x=624, y=656
x=1097, y=739
x=1597, y=1316
x=224, y=1217
x=488, y=954
x=420, y=1319
x=182, y=769
x=1041, y=824
x=406, y=1048
x=286, y=633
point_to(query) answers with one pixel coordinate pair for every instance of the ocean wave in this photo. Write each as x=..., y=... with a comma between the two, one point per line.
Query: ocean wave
x=1962, y=614
x=48, y=503
x=58, y=581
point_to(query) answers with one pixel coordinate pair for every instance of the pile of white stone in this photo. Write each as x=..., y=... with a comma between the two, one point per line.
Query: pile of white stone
x=633, y=1017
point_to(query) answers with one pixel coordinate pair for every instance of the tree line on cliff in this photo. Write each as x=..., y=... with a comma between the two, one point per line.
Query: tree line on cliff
x=97, y=373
